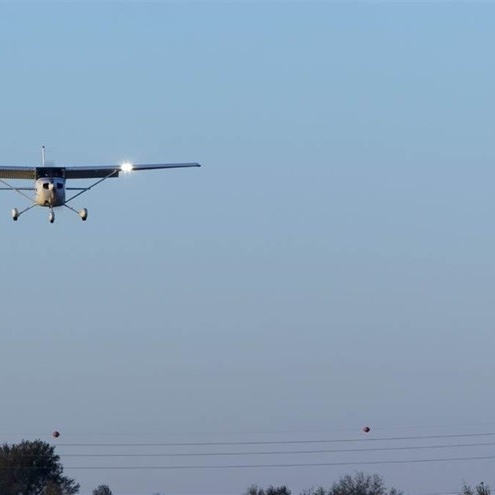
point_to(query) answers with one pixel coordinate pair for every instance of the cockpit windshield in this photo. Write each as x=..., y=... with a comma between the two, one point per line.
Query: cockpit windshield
x=50, y=172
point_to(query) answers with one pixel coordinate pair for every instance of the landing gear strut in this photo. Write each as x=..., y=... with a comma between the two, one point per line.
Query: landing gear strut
x=16, y=213
x=82, y=213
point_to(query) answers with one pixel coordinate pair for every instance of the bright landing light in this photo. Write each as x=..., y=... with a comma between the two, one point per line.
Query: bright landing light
x=126, y=167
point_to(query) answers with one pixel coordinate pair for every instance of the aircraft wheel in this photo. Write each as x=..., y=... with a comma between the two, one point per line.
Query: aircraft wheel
x=51, y=217
x=15, y=214
x=83, y=214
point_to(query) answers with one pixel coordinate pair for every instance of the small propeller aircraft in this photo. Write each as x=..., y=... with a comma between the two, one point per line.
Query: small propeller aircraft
x=49, y=182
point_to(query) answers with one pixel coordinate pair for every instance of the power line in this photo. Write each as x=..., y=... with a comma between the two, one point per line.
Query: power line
x=257, y=466
x=284, y=452
x=272, y=442
x=291, y=465
x=277, y=452
x=106, y=433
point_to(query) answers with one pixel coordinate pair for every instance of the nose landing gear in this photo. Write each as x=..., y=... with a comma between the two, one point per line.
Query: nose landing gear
x=51, y=216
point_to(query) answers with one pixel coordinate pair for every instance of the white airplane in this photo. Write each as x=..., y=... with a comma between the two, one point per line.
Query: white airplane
x=49, y=182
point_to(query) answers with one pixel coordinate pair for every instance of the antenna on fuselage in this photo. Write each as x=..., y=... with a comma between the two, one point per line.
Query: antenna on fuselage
x=42, y=156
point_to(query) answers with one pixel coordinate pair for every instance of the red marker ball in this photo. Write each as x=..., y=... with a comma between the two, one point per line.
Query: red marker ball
x=366, y=429
x=56, y=434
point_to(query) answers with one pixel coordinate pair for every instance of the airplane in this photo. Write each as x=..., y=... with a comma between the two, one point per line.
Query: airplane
x=49, y=182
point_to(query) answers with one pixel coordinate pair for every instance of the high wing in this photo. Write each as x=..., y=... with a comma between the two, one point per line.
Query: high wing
x=102, y=171
x=93, y=172
x=7, y=172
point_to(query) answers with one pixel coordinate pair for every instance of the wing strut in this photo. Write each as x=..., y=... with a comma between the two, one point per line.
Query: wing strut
x=83, y=190
x=17, y=190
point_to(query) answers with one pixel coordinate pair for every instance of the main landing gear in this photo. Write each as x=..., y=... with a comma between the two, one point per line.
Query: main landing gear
x=83, y=214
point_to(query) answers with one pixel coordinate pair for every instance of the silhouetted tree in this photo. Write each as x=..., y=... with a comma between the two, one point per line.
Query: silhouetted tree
x=480, y=489
x=102, y=490
x=271, y=490
x=314, y=491
x=360, y=484
x=32, y=468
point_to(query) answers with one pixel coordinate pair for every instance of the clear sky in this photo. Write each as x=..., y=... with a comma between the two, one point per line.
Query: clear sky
x=331, y=265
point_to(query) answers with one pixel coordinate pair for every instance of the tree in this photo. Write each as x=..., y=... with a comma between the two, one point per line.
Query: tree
x=32, y=468
x=102, y=490
x=481, y=489
x=271, y=490
x=315, y=491
x=361, y=484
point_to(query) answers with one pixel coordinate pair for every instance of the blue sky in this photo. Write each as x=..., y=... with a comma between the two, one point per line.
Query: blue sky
x=329, y=266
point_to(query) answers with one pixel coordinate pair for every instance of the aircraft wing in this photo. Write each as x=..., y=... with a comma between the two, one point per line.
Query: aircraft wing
x=7, y=172
x=102, y=171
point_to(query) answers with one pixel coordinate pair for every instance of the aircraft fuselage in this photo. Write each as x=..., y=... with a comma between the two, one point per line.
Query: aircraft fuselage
x=50, y=191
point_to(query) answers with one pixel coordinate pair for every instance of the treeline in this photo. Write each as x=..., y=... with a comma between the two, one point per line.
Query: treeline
x=33, y=468
x=357, y=484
